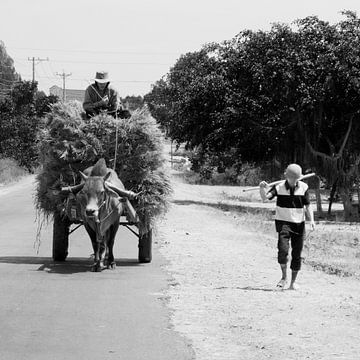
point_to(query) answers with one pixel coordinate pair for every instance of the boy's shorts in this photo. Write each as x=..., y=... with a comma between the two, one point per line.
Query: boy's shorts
x=294, y=233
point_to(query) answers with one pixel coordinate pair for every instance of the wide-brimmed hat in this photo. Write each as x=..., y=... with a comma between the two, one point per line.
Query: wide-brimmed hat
x=294, y=170
x=102, y=77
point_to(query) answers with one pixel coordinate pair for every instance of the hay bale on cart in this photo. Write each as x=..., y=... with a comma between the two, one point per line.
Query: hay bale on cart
x=69, y=143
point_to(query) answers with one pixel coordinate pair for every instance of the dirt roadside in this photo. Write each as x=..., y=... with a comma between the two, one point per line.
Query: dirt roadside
x=223, y=293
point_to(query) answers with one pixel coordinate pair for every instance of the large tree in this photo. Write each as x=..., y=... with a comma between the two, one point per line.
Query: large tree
x=20, y=119
x=291, y=93
x=8, y=75
x=159, y=104
x=189, y=100
x=330, y=120
x=296, y=96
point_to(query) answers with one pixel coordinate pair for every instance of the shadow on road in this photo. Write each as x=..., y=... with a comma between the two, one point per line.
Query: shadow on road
x=252, y=288
x=70, y=266
x=255, y=288
x=226, y=207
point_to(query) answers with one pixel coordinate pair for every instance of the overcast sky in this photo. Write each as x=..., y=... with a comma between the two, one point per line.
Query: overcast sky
x=137, y=41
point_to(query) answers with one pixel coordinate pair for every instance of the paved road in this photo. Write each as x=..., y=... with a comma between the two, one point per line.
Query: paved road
x=63, y=311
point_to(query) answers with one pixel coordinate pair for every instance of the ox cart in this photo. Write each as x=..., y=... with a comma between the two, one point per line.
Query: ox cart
x=70, y=143
x=68, y=220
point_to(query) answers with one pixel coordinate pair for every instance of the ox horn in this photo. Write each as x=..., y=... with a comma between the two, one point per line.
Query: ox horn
x=122, y=192
x=83, y=175
x=72, y=189
x=75, y=188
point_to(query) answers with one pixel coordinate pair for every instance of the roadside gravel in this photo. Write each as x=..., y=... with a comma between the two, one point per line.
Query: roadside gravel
x=222, y=289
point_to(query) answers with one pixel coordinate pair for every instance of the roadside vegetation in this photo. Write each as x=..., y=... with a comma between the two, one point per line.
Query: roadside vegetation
x=22, y=107
x=334, y=246
x=10, y=171
x=265, y=99
x=23, y=110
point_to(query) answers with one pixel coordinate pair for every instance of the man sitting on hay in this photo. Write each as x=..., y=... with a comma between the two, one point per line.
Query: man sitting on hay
x=102, y=97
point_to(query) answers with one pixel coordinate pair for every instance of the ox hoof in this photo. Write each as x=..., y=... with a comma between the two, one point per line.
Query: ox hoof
x=96, y=268
x=112, y=265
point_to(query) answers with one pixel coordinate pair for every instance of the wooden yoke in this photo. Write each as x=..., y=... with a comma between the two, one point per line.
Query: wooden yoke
x=131, y=214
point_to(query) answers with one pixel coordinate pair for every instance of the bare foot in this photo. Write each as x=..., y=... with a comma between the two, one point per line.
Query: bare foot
x=281, y=284
x=294, y=286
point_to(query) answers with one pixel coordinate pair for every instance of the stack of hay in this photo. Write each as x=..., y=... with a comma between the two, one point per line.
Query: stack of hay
x=68, y=143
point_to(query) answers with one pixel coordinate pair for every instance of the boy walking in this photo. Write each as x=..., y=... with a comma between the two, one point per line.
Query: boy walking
x=292, y=204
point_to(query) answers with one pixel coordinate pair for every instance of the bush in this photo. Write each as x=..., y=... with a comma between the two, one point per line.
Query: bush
x=21, y=113
x=18, y=141
x=226, y=169
x=10, y=171
x=250, y=175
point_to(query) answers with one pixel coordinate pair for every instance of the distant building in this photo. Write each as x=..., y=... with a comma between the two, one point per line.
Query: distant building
x=70, y=94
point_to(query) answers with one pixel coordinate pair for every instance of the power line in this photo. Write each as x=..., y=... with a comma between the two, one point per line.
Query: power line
x=113, y=80
x=33, y=65
x=99, y=51
x=64, y=76
x=51, y=68
x=108, y=63
x=45, y=71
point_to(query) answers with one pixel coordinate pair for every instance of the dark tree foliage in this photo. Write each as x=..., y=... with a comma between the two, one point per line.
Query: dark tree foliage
x=159, y=104
x=292, y=93
x=8, y=75
x=20, y=119
x=133, y=102
x=21, y=108
x=43, y=103
x=190, y=101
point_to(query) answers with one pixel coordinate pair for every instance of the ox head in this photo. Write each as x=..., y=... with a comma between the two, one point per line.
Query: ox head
x=93, y=194
x=96, y=193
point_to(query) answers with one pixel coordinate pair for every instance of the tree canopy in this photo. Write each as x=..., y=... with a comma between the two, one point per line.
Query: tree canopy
x=291, y=94
x=254, y=86
x=21, y=111
x=8, y=74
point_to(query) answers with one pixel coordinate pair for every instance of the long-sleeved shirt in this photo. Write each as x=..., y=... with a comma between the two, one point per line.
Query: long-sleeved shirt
x=93, y=97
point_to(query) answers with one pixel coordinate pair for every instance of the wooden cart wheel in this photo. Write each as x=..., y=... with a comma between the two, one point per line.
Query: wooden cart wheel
x=145, y=247
x=60, y=237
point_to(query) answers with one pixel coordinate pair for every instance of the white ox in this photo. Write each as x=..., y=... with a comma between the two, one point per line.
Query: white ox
x=101, y=196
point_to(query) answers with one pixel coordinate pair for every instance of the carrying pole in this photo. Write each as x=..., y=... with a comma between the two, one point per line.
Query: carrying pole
x=279, y=181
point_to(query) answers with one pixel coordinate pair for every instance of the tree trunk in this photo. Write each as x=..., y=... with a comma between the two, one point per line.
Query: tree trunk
x=318, y=202
x=332, y=195
x=314, y=183
x=350, y=211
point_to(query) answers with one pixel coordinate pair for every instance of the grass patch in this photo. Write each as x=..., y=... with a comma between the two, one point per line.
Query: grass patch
x=335, y=249
x=10, y=171
x=251, y=196
x=332, y=248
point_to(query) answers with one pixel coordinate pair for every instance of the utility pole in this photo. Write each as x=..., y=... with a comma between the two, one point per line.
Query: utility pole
x=33, y=65
x=63, y=75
